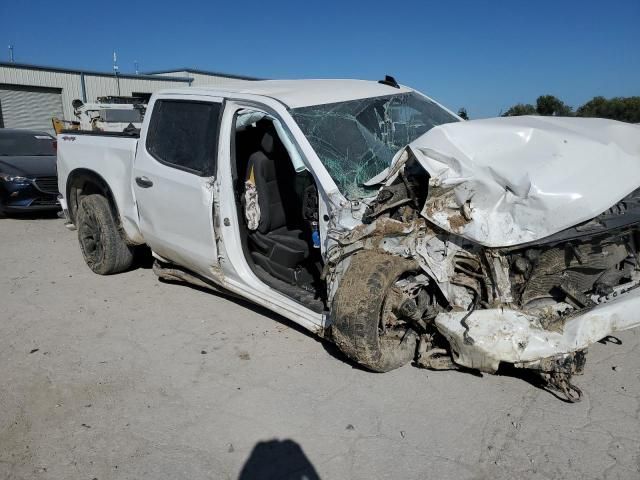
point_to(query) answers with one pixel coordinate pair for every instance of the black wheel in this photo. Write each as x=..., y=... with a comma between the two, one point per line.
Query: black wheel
x=103, y=247
x=358, y=308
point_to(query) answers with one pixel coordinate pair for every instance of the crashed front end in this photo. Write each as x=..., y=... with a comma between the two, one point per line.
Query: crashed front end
x=526, y=232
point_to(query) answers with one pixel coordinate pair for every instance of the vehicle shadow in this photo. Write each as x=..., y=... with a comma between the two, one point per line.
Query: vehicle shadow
x=278, y=459
x=328, y=346
x=143, y=258
x=531, y=377
x=245, y=304
x=44, y=215
x=505, y=370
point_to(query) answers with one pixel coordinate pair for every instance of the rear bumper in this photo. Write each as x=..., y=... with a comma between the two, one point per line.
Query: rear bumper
x=511, y=336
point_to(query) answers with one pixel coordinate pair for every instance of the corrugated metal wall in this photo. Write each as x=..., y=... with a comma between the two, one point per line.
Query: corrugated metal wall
x=68, y=82
x=30, y=107
x=98, y=86
x=70, y=86
x=201, y=80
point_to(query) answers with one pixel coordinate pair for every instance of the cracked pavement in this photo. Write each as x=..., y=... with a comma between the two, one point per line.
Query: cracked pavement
x=125, y=377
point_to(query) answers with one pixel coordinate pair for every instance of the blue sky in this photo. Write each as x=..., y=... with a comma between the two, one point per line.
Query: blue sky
x=484, y=55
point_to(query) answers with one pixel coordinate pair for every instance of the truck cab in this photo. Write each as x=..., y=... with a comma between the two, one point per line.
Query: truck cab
x=222, y=184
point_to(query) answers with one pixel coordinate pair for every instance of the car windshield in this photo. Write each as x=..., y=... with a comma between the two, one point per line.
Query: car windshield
x=22, y=144
x=357, y=139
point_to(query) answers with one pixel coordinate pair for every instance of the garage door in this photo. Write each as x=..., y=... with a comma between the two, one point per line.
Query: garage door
x=29, y=107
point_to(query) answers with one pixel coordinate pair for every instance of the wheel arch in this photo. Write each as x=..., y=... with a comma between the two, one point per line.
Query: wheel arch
x=82, y=182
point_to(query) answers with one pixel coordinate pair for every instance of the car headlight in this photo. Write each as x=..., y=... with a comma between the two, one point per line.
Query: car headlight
x=13, y=178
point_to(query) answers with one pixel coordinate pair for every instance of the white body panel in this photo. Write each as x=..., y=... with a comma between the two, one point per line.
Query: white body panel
x=513, y=172
x=176, y=213
x=176, y=216
x=112, y=159
x=504, y=335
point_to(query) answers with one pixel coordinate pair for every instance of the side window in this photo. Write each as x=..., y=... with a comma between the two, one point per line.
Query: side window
x=184, y=134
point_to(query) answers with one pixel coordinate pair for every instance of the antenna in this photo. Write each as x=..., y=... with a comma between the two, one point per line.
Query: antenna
x=135, y=66
x=11, y=59
x=115, y=70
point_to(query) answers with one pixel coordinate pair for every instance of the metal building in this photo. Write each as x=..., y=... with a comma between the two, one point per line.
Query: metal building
x=30, y=95
x=203, y=77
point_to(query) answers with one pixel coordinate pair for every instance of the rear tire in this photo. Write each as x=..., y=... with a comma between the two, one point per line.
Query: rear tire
x=357, y=310
x=104, y=249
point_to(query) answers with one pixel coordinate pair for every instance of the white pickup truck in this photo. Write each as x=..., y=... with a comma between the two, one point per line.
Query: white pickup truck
x=371, y=215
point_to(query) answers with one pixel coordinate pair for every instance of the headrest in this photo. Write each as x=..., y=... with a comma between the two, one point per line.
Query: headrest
x=267, y=143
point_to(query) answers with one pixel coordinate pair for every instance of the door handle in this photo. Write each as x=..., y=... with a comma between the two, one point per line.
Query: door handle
x=144, y=182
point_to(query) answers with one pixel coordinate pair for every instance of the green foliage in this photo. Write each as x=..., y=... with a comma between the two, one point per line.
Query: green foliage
x=462, y=113
x=520, y=109
x=625, y=109
x=549, y=105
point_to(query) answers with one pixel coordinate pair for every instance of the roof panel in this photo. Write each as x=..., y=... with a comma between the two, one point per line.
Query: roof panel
x=303, y=93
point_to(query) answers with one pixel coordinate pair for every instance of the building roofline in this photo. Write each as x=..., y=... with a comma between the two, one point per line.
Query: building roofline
x=204, y=72
x=27, y=66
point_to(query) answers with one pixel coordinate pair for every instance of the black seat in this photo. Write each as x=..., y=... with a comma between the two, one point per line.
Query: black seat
x=277, y=245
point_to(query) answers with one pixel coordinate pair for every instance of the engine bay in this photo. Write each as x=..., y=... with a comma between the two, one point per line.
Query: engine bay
x=479, y=307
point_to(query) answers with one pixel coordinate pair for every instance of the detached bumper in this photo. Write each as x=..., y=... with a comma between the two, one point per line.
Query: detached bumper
x=504, y=335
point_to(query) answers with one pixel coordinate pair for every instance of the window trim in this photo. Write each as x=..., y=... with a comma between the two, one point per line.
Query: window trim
x=212, y=164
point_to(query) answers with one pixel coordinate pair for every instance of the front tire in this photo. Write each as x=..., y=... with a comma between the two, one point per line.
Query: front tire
x=357, y=310
x=104, y=249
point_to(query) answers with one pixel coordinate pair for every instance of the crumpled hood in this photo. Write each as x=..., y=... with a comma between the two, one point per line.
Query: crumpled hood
x=507, y=181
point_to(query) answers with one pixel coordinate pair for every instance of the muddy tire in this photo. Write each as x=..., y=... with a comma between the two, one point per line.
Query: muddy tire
x=357, y=308
x=103, y=246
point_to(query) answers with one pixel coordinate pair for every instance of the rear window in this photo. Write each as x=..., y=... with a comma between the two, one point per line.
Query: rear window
x=111, y=115
x=26, y=144
x=184, y=134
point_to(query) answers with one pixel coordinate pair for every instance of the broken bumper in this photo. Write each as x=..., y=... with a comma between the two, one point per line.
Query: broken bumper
x=505, y=335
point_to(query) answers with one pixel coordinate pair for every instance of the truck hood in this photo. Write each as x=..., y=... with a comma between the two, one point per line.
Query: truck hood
x=507, y=181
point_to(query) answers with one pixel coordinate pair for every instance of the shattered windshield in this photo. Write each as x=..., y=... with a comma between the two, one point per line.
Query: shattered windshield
x=356, y=140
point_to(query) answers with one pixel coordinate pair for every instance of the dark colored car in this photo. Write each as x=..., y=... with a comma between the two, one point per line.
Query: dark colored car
x=28, y=179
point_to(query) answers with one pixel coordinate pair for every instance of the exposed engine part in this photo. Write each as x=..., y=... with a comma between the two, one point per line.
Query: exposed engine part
x=570, y=273
x=409, y=300
x=557, y=373
x=389, y=198
x=562, y=383
x=433, y=358
x=535, y=291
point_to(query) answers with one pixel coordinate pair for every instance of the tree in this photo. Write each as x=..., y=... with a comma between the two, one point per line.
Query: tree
x=520, y=109
x=549, y=105
x=625, y=109
x=462, y=113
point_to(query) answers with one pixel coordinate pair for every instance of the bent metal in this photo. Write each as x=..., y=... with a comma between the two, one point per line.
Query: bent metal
x=373, y=216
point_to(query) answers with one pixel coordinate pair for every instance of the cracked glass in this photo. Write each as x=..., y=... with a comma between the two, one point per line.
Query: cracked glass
x=357, y=139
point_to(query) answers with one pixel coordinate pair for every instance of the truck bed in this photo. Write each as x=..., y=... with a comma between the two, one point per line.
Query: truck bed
x=135, y=133
x=110, y=156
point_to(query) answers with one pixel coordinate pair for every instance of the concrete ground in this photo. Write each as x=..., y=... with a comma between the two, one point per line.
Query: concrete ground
x=124, y=377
